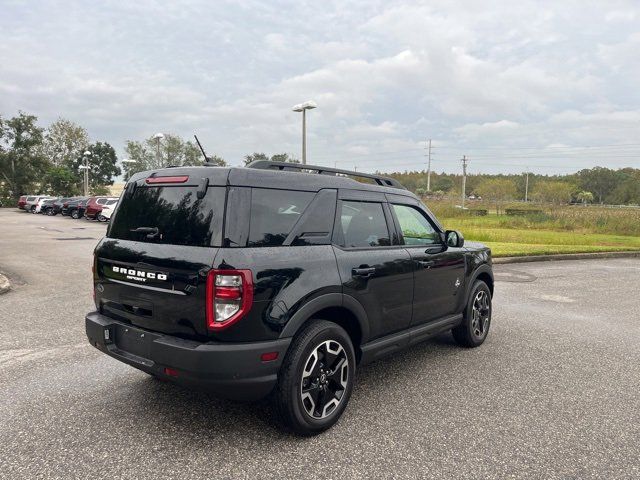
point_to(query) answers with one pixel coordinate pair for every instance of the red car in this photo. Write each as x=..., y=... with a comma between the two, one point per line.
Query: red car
x=22, y=202
x=94, y=206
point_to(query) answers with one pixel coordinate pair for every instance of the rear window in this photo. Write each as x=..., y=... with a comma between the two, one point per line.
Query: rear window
x=273, y=215
x=170, y=215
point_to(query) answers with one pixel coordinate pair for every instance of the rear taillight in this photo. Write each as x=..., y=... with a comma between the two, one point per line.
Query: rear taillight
x=229, y=297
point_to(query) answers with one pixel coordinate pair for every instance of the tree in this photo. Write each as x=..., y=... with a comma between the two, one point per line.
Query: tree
x=585, y=197
x=553, y=191
x=443, y=183
x=102, y=165
x=61, y=181
x=219, y=161
x=21, y=162
x=64, y=142
x=172, y=150
x=628, y=192
x=599, y=180
x=284, y=157
x=278, y=157
x=497, y=190
x=254, y=157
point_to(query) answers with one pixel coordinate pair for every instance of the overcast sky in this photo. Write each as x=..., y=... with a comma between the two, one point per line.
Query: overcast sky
x=550, y=86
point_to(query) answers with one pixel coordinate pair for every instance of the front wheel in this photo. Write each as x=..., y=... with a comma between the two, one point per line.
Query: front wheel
x=473, y=330
x=75, y=215
x=316, y=378
x=102, y=218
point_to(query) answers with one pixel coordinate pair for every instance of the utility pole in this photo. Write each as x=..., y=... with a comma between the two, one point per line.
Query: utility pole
x=429, y=165
x=464, y=178
x=526, y=188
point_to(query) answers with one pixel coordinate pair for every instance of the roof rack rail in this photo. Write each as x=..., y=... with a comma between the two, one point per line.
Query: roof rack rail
x=269, y=165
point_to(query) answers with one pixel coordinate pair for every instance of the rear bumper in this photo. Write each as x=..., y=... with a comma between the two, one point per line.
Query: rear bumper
x=231, y=370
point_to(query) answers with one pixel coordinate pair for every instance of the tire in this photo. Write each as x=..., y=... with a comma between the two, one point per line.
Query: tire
x=33, y=209
x=74, y=214
x=303, y=381
x=102, y=218
x=474, y=329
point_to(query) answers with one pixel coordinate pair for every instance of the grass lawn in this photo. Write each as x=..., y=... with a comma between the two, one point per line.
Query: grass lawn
x=507, y=242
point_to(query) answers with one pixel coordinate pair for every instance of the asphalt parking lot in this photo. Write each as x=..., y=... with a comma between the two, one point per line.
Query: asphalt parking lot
x=553, y=393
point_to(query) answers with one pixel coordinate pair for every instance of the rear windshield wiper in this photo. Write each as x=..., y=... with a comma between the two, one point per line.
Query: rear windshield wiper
x=151, y=232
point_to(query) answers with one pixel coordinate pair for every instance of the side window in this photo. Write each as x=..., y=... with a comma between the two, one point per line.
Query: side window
x=415, y=227
x=364, y=225
x=101, y=201
x=273, y=215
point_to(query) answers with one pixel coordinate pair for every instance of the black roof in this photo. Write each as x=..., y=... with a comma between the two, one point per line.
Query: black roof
x=274, y=178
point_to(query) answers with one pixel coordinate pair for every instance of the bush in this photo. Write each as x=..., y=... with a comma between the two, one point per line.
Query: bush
x=478, y=212
x=522, y=211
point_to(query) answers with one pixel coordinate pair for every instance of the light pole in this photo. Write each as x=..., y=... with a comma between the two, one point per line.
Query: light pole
x=85, y=167
x=158, y=137
x=303, y=107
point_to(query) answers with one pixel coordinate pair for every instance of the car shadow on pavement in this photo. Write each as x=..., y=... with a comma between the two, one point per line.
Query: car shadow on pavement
x=205, y=415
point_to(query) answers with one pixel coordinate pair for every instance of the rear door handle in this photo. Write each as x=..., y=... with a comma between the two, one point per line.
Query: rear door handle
x=363, y=271
x=426, y=263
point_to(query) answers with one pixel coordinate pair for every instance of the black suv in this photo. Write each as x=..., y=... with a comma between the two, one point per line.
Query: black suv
x=279, y=279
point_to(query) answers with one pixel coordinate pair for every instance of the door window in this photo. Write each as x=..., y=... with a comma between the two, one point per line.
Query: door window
x=363, y=225
x=415, y=227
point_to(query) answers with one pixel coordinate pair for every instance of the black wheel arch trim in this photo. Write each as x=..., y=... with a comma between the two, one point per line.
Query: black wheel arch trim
x=321, y=302
x=484, y=268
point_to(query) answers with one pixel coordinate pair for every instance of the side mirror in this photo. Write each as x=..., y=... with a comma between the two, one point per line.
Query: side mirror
x=454, y=238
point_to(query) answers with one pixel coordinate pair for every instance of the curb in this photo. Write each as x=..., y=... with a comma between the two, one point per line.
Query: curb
x=5, y=286
x=566, y=256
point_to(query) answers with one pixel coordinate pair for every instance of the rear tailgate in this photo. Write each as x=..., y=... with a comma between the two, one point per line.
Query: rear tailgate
x=150, y=287
x=151, y=267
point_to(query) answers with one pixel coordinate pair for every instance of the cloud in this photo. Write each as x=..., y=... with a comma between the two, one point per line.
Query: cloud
x=386, y=76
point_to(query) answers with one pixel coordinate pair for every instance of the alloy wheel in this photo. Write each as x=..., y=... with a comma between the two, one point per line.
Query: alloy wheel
x=324, y=379
x=480, y=314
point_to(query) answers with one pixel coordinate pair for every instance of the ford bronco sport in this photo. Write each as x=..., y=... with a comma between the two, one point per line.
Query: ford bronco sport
x=279, y=280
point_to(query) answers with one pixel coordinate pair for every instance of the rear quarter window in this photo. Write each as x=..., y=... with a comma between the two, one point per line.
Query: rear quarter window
x=274, y=214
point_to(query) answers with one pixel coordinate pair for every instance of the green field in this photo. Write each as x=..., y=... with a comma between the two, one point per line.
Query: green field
x=557, y=230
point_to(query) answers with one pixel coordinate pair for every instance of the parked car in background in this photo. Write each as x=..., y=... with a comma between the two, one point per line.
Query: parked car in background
x=94, y=206
x=107, y=210
x=32, y=202
x=71, y=206
x=56, y=206
x=80, y=209
x=41, y=202
x=22, y=202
